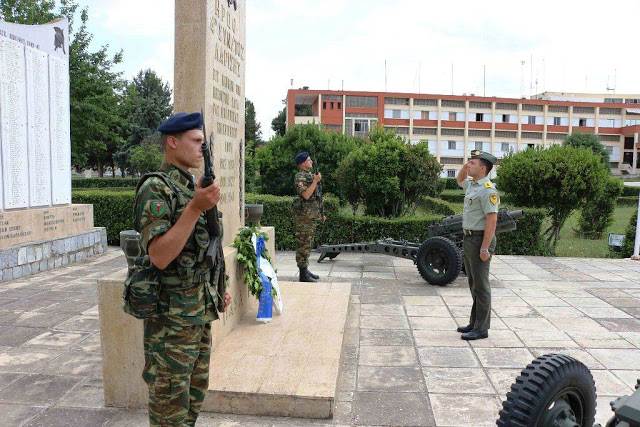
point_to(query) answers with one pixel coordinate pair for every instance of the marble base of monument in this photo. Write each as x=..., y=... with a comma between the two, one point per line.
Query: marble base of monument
x=121, y=334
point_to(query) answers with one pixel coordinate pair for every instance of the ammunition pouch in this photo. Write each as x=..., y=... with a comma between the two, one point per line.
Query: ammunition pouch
x=142, y=289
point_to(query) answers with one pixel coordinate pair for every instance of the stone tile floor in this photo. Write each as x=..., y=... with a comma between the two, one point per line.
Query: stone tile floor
x=402, y=363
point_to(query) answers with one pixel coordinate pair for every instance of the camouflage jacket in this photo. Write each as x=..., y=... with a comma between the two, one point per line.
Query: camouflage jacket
x=187, y=296
x=302, y=181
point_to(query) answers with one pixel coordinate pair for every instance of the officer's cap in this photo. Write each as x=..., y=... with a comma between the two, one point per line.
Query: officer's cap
x=302, y=157
x=477, y=154
x=181, y=122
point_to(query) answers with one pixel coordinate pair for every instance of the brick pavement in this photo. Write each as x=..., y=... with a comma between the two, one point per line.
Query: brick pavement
x=402, y=362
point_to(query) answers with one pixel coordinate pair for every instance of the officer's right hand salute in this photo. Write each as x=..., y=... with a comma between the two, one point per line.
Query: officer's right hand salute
x=207, y=197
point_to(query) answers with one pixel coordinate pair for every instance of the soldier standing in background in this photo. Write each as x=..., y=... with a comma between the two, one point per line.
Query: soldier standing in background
x=307, y=214
x=479, y=219
x=170, y=217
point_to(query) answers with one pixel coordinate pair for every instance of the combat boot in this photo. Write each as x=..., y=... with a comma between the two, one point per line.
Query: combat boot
x=305, y=275
x=315, y=276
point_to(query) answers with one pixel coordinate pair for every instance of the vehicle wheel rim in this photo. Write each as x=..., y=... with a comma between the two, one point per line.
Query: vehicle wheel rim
x=437, y=262
x=566, y=409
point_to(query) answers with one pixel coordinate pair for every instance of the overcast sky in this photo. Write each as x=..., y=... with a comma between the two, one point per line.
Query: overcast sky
x=577, y=46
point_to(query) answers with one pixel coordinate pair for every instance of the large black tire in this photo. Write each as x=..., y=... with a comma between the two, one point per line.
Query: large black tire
x=439, y=261
x=552, y=387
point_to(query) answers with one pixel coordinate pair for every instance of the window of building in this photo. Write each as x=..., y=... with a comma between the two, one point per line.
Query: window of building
x=531, y=120
x=361, y=125
x=339, y=105
x=582, y=122
x=531, y=145
x=452, y=116
x=478, y=146
x=628, y=158
x=451, y=145
x=433, y=115
x=504, y=147
x=324, y=105
x=479, y=117
x=628, y=143
x=506, y=118
x=451, y=173
x=557, y=121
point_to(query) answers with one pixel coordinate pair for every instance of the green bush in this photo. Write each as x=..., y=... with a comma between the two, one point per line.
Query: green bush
x=450, y=183
x=103, y=182
x=627, y=201
x=630, y=191
x=111, y=209
x=629, y=237
x=527, y=238
x=453, y=196
x=438, y=206
x=597, y=215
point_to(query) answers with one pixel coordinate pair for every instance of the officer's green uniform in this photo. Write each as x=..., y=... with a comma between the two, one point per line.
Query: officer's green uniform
x=480, y=199
x=177, y=341
x=307, y=213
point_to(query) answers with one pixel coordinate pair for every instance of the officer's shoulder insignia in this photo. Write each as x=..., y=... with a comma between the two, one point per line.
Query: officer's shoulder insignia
x=494, y=199
x=300, y=184
x=488, y=184
x=158, y=208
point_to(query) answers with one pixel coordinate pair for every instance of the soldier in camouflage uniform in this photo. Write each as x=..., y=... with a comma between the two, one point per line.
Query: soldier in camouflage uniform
x=169, y=216
x=479, y=220
x=307, y=213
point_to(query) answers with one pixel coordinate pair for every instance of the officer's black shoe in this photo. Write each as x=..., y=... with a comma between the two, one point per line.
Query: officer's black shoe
x=315, y=276
x=465, y=329
x=305, y=275
x=475, y=335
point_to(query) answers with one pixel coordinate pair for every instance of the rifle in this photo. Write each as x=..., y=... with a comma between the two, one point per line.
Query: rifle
x=215, y=255
x=319, y=188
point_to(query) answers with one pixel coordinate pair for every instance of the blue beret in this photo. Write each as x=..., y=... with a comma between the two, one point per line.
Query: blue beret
x=181, y=122
x=302, y=157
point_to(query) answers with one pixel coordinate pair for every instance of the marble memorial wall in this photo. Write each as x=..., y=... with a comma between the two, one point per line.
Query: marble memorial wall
x=35, y=145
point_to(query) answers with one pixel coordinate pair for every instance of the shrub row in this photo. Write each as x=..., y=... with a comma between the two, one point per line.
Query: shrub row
x=103, y=182
x=629, y=237
x=438, y=206
x=114, y=210
x=627, y=201
x=630, y=191
x=453, y=196
x=111, y=209
x=450, y=183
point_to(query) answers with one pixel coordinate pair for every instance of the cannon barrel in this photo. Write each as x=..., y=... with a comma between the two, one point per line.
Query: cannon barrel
x=452, y=225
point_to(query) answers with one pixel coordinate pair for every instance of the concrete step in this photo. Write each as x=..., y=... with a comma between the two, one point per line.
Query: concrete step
x=289, y=366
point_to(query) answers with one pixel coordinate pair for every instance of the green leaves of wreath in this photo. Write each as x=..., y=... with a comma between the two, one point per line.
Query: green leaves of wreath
x=247, y=258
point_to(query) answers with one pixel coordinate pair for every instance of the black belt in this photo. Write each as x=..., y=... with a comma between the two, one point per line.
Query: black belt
x=473, y=232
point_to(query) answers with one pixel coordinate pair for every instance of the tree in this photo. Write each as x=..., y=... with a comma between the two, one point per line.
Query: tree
x=590, y=141
x=279, y=123
x=27, y=11
x=252, y=132
x=146, y=157
x=558, y=179
x=275, y=160
x=597, y=215
x=389, y=176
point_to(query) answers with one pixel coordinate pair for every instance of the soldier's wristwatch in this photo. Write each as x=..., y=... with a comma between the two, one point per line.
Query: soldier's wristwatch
x=484, y=251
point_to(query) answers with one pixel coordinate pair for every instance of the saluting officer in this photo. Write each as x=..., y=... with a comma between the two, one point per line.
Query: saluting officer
x=479, y=219
x=307, y=214
x=170, y=218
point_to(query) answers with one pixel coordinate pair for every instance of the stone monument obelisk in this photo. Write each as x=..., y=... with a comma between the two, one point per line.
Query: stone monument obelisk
x=39, y=227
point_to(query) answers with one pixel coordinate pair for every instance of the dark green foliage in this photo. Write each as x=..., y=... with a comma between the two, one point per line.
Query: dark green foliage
x=252, y=132
x=630, y=191
x=275, y=160
x=590, y=141
x=629, y=237
x=437, y=206
x=77, y=183
x=453, y=196
x=597, y=215
x=527, y=238
x=558, y=179
x=388, y=175
x=111, y=209
x=27, y=11
x=279, y=122
x=627, y=201
x=247, y=258
x=451, y=184
x=146, y=157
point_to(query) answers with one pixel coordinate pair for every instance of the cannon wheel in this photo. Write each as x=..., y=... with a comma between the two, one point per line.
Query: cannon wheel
x=439, y=261
x=553, y=390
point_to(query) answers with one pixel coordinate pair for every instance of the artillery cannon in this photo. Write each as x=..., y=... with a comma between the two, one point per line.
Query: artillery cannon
x=556, y=390
x=439, y=258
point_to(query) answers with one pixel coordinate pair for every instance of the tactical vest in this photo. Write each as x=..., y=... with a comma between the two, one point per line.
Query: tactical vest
x=189, y=267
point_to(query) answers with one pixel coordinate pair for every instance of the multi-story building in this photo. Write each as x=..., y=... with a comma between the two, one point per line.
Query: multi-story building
x=455, y=125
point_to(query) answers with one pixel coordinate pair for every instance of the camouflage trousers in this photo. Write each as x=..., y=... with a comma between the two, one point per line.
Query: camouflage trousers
x=177, y=371
x=306, y=223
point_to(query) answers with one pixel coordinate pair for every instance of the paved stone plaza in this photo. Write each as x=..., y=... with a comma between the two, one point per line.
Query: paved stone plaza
x=402, y=362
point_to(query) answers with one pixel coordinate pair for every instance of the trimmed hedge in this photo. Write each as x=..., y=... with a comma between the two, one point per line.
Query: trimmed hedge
x=438, y=206
x=114, y=210
x=450, y=183
x=111, y=209
x=453, y=196
x=104, y=182
x=630, y=191
x=627, y=201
